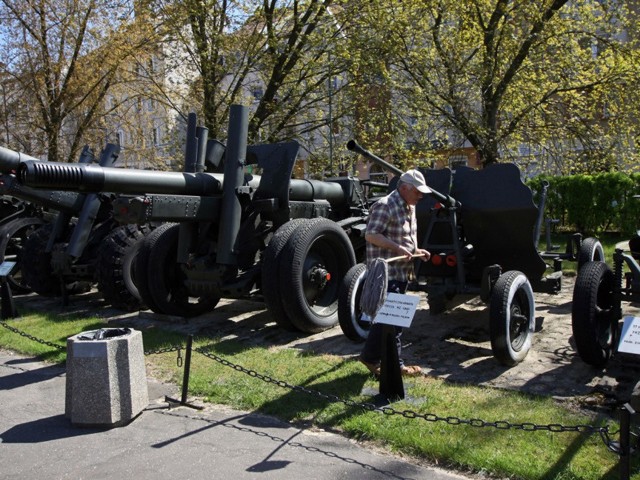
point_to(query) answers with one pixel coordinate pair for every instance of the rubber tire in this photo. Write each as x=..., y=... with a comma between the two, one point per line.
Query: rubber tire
x=316, y=243
x=36, y=264
x=349, y=312
x=269, y=274
x=511, y=318
x=166, y=279
x=115, y=266
x=634, y=246
x=593, y=313
x=141, y=266
x=590, y=251
x=13, y=237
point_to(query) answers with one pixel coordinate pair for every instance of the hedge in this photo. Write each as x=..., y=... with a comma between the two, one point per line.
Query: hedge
x=592, y=204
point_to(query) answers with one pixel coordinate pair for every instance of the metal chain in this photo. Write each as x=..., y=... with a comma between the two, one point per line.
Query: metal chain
x=31, y=337
x=429, y=417
x=174, y=348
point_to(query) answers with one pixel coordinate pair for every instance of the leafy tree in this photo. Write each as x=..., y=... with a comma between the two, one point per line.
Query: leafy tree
x=277, y=56
x=61, y=58
x=500, y=73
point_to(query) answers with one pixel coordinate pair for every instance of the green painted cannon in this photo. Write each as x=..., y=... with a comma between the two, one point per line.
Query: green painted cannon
x=80, y=245
x=230, y=232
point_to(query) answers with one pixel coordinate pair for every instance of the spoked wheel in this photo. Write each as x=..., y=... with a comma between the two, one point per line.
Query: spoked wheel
x=13, y=236
x=350, y=314
x=590, y=251
x=115, y=266
x=270, y=264
x=593, y=316
x=315, y=259
x=511, y=318
x=166, y=280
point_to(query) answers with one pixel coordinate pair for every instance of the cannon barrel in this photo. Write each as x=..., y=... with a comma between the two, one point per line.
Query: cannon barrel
x=92, y=178
x=443, y=199
x=10, y=159
x=68, y=202
x=309, y=190
x=354, y=147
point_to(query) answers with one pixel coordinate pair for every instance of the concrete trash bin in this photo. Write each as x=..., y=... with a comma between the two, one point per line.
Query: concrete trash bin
x=106, y=381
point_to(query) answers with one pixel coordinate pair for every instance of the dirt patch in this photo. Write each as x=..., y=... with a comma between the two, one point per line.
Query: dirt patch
x=454, y=345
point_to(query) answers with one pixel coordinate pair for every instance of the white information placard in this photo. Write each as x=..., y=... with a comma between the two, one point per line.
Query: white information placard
x=398, y=309
x=6, y=267
x=630, y=336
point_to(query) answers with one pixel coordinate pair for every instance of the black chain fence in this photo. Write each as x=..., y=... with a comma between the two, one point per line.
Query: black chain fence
x=604, y=431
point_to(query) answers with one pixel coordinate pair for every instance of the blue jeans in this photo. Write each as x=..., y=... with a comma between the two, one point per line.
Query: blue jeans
x=371, y=352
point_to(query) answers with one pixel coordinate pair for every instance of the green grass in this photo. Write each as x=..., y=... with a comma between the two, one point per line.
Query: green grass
x=509, y=453
x=608, y=241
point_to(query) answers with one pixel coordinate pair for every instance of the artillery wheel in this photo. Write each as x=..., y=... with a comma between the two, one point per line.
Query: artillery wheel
x=590, y=251
x=36, y=263
x=634, y=246
x=593, y=313
x=511, y=318
x=13, y=237
x=115, y=266
x=36, y=266
x=270, y=284
x=349, y=312
x=165, y=279
x=315, y=259
x=141, y=266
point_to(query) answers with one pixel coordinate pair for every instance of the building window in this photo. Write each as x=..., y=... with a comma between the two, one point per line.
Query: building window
x=120, y=138
x=157, y=135
x=457, y=161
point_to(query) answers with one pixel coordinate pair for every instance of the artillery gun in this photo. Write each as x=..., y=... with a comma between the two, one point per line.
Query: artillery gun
x=24, y=210
x=482, y=241
x=234, y=234
x=75, y=249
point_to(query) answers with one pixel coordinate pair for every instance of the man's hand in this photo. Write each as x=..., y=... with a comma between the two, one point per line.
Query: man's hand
x=424, y=255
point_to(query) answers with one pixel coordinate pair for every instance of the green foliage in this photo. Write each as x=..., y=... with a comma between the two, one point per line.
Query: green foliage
x=592, y=204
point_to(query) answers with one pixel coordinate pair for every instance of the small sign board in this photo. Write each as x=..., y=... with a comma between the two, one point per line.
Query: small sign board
x=6, y=267
x=398, y=309
x=630, y=336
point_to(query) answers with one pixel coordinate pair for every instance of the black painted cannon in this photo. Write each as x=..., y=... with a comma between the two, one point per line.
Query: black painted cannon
x=232, y=233
x=480, y=227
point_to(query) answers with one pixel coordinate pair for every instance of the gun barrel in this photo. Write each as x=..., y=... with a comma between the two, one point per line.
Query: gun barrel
x=10, y=159
x=92, y=178
x=354, y=147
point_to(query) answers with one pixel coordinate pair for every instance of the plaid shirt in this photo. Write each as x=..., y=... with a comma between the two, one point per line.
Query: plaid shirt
x=395, y=219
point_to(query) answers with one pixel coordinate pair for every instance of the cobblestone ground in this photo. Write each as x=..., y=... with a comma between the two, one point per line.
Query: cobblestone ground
x=454, y=345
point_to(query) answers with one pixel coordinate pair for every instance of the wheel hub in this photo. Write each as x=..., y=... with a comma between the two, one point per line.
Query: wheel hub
x=319, y=276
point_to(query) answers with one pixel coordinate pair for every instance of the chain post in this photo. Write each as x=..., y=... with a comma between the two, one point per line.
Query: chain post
x=185, y=377
x=625, y=440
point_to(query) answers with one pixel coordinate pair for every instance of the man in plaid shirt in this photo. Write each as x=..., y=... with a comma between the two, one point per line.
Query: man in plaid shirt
x=391, y=232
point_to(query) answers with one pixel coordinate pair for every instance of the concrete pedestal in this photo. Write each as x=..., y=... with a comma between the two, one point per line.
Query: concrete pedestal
x=106, y=378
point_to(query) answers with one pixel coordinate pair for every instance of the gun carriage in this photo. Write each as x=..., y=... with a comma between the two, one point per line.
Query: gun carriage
x=24, y=210
x=229, y=233
x=74, y=249
x=482, y=228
